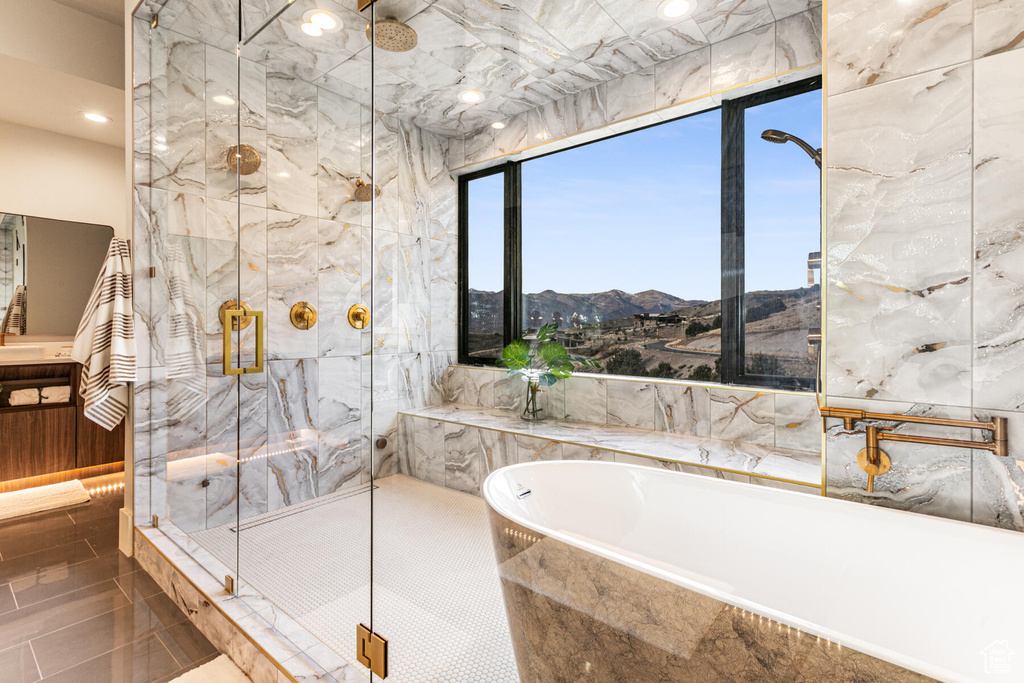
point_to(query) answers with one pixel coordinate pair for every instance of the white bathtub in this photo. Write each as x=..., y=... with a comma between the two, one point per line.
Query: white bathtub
x=938, y=597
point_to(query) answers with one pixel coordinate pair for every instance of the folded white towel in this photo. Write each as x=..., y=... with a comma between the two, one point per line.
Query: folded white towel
x=24, y=397
x=56, y=394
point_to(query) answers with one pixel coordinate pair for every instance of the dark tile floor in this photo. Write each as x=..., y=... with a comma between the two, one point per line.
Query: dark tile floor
x=73, y=609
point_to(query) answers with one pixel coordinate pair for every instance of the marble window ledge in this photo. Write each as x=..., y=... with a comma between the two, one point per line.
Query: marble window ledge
x=780, y=464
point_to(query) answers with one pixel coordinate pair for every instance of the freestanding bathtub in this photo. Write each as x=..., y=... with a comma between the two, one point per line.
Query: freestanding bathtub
x=615, y=572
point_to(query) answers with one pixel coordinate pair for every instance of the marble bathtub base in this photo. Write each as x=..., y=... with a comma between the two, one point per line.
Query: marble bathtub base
x=577, y=616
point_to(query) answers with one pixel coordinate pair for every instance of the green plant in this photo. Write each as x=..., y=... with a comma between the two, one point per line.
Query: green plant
x=540, y=361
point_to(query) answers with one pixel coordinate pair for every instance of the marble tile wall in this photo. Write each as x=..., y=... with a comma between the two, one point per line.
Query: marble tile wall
x=747, y=51
x=290, y=232
x=761, y=418
x=924, y=279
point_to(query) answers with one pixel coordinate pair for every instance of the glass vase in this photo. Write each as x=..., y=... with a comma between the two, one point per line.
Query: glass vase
x=533, y=401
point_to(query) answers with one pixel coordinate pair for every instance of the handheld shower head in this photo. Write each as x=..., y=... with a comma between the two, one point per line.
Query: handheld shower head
x=780, y=138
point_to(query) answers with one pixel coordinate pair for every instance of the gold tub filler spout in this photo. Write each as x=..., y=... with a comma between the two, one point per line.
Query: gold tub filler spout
x=875, y=461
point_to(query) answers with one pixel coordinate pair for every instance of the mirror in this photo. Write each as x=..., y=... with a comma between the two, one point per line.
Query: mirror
x=47, y=270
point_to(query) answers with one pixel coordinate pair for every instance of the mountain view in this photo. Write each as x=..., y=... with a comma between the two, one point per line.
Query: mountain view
x=656, y=334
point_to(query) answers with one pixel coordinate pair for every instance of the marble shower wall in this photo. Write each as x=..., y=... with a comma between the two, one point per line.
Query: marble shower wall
x=291, y=232
x=925, y=281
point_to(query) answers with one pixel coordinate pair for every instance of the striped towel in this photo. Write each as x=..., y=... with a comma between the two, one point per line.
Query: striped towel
x=186, y=341
x=105, y=341
x=15, y=319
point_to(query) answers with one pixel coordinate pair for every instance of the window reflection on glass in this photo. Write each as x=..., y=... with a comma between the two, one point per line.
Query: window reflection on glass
x=621, y=241
x=486, y=270
x=783, y=239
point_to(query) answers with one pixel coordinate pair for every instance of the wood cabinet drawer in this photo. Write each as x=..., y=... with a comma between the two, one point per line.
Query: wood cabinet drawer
x=34, y=442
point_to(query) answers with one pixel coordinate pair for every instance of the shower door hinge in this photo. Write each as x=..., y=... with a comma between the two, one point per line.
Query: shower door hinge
x=229, y=584
x=372, y=651
x=156, y=521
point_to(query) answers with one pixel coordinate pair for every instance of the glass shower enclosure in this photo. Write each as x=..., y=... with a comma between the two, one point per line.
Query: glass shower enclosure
x=283, y=233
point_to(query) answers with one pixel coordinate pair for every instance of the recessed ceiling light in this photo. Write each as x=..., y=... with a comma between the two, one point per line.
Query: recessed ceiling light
x=324, y=21
x=311, y=30
x=223, y=99
x=498, y=124
x=673, y=9
x=98, y=118
x=471, y=96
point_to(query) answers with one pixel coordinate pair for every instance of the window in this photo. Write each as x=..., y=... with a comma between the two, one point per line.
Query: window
x=632, y=244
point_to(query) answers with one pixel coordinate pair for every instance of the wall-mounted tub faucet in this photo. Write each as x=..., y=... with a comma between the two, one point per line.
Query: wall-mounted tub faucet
x=874, y=461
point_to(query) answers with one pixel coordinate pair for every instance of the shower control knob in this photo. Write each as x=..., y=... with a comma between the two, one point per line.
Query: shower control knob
x=382, y=442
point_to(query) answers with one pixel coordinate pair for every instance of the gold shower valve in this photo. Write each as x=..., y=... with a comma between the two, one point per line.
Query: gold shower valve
x=359, y=316
x=303, y=315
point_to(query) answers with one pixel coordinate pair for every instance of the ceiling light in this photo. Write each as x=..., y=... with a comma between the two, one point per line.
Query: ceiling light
x=97, y=118
x=223, y=99
x=498, y=125
x=673, y=9
x=471, y=96
x=323, y=20
x=311, y=30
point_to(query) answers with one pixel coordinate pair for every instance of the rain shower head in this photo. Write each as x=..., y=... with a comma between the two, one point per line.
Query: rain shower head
x=392, y=35
x=780, y=138
x=364, y=192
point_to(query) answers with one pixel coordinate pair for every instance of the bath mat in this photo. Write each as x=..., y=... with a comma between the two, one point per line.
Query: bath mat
x=27, y=501
x=220, y=670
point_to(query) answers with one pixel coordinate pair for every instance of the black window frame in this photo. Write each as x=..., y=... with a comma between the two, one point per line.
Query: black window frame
x=733, y=348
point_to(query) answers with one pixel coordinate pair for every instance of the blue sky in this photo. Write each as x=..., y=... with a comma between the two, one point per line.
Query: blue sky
x=642, y=211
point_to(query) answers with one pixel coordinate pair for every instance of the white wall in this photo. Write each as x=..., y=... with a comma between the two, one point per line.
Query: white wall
x=55, y=176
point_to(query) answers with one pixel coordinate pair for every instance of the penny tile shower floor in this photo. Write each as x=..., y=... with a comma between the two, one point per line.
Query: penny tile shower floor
x=437, y=596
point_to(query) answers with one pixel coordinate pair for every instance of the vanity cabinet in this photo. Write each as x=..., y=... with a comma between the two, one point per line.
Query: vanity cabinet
x=48, y=438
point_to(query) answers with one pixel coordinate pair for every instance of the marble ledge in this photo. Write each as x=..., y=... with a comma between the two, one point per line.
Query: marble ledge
x=782, y=464
x=264, y=642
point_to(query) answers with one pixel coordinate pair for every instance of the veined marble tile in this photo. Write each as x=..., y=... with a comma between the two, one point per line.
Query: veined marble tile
x=473, y=387
x=339, y=148
x=480, y=146
x=398, y=377
x=785, y=8
x=344, y=256
x=580, y=25
x=871, y=43
x=798, y=40
x=178, y=213
x=641, y=18
x=631, y=95
x=177, y=112
x=444, y=324
x=291, y=145
x=291, y=278
x=529, y=449
x=462, y=458
x=928, y=479
x=631, y=404
x=683, y=79
x=513, y=137
x=746, y=416
x=590, y=108
x=457, y=152
x=551, y=121
x=586, y=399
x=510, y=32
x=997, y=497
x=574, y=452
x=509, y=392
x=747, y=57
x=620, y=57
x=899, y=240
x=436, y=372
x=292, y=421
x=997, y=26
x=236, y=110
x=383, y=297
x=797, y=422
x=340, y=462
x=682, y=409
x=998, y=365
x=723, y=19
x=672, y=42
x=423, y=449
x=498, y=450
x=413, y=294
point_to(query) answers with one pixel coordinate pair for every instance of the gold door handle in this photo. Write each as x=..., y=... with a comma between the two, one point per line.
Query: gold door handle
x=229, y=324
x=359, y=316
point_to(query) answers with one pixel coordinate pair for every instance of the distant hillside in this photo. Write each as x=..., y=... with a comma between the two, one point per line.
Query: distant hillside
x=485, y=307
